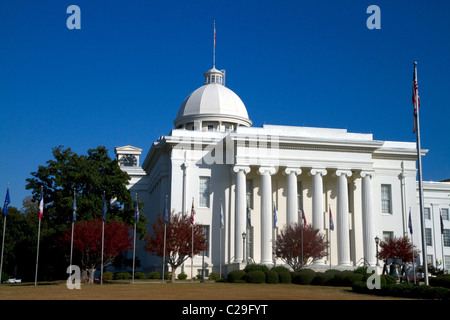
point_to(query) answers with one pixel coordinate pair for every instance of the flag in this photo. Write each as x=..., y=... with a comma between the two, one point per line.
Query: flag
x=415, y=98
x=274, y=218
x=192, y=212
x=442, y=222
x=166, y=213
x=214, y=33
x=74, y=217
x=249, y=218
x=7, y=202
x=331, y=221
x=304, y=219
x=136, y=210
x=222, y=224
x=410, y=223
x=105, y=209
x=41, y=206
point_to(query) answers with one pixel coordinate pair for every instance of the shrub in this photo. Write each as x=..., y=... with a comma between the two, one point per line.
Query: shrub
x=255, y=276
x=167, y=275
x=214, y=276
x=272, y=276
x=304, y=276
x=285, y=277
x=322, y=279
x=346, y=278
x=154, y=275
x=236, y=276
x=108, y=275
x=251, y=267
x=280, y=269
x=440, y=281
x=122, y=276
x=182, y=276
x=404, y=290
x=139, y=275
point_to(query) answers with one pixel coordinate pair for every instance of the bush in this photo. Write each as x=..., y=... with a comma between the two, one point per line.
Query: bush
x=214, y=276
x=280, y=269
x=251, y=267
x=440, y=281
x=182, y=276
x=139, y=275
x=108, y=275
x=304, y=276
x=285, y=277
x=122, y=276
x=236, y=276
x=346, y=278
x=322, y=279
x=272, y=276
x=167, y=275
x=404, y=290
x=255, y=276
x=154, y=275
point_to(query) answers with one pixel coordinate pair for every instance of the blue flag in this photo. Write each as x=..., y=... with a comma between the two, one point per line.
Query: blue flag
x=222, y=224
x=136, y=210
x=274, y=218
x=105, y=209
x=74, y=218
x=249, y=219
x=442, y=222
x=410, y=223
x=7, y=202
x=166, y=213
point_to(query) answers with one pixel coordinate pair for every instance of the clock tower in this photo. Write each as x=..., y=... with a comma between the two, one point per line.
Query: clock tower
x=128, y=156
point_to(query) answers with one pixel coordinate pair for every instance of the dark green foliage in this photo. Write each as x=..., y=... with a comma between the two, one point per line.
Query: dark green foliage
x=236, y=276
x=122, y=276
x=154, y=275
x=255, y=276
x=280, y=269
x=323, y=279
x=440, y=281
x=214, y=276
x=108, y=275
x=346, y=278
x=304, y=276
x=167, y=275
x=404, y=290
x=139, y=275
x=261, y=267
x=285, y=277
x=272, y=276
x=182, y=276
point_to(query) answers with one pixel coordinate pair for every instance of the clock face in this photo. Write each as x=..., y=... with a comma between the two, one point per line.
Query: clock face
x=128, y=160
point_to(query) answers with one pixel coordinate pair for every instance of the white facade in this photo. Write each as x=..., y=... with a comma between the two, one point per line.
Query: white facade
x=215, y=158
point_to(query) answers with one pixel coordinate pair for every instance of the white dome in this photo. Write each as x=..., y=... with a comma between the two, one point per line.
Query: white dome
x=213, y=102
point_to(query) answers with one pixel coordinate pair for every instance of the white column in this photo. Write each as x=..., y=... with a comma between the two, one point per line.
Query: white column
x=266, y=214
x=240, y=211
x=342, y=218
x=317, y=203
x=292, y=197
x=368, y=218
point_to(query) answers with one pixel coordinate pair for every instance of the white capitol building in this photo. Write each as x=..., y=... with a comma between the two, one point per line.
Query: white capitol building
x=215, y=158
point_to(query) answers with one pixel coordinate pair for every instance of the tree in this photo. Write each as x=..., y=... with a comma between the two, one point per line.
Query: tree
x=88, y=242
x=178, y=240
x=398, y=248
x=91, y=176
x=289, y=246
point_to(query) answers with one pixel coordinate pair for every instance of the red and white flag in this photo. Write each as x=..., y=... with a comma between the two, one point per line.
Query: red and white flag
x=192, y=212
x=415, y=98
x=41, y=206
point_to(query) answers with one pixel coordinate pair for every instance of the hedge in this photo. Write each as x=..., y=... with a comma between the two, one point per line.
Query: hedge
x=236, y=276
x=440, y=281
x=182, y=276
x=346, y=278
x=322, y=279
x=255, y=276
x=284, y=277
x=154, y=275
x=140, y=275
x=272, y=276
x=251, y=267
x=404, y=290
x=108, y=275
x=122, y=276
x=303, y=276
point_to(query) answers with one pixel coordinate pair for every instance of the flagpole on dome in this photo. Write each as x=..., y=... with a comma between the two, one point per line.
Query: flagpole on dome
x=214, y=47
x=5, y=210
x=41, y=214
x=416, y=103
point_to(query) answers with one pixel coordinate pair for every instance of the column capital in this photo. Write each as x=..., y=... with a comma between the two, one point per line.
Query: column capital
x=245, y=169
x=290, y=170
x=267, y=170
x=315, y=171
x=340, y=172
x=367, y=173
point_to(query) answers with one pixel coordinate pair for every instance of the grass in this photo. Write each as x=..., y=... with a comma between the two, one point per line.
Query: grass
x=155, y=290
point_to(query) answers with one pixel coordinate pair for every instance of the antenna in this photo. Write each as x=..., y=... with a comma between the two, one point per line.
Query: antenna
x=214, y=47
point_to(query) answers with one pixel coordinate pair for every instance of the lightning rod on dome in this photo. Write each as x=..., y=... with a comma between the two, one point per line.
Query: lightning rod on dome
x=214, y=47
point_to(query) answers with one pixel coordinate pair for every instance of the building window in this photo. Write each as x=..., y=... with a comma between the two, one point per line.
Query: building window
x=249, y=191
x=203, y=196
x=210, y=127
x=427, y=213
x=386, y=197
x=387, y=235
x=430, y=259
x=447, y=262
x=205, y=229
x=444, y=213
x=446, y=235
x=428, y=237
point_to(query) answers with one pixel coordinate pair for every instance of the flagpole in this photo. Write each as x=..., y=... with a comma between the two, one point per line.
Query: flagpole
x=4, y=225
x=164, y=252
x=39, y=236
x=419, y=159
x=192, y=241
x=71, y=238
x=412, y=242
x=442, y=240
x=214, y=47
x=103, y=237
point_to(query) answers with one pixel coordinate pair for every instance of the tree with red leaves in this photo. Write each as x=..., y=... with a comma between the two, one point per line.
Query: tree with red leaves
x=87, y=242
x=289, y=246
x=398, y=248
x=178, y=240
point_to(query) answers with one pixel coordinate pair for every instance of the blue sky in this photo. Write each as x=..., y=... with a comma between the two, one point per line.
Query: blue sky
x=121, y=79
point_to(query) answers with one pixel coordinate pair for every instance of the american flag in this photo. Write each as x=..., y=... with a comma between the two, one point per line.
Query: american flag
x=415, y=98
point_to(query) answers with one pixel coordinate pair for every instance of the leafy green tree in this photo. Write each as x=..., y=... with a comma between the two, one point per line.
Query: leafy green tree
x=88, y=177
